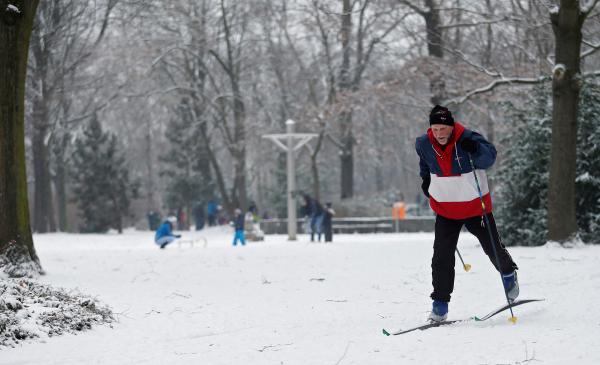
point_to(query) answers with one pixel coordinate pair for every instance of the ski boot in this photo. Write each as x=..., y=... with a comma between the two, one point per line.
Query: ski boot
x=511, y=285
x=439, y=311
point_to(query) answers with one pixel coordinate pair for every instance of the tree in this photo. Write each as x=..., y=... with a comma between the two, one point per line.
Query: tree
x=567, y=22
x=187, y=168
x=101, y=183
x=16, y=243
x=587, y=183
x=64, y=37
x=523, y=173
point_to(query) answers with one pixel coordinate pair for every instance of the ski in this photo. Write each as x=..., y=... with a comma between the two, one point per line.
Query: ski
x=423, y=327
x=505, y=307
x=475, y=318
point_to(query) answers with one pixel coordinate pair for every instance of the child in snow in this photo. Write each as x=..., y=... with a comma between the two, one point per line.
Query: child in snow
x=164, y=234
x=239, y=227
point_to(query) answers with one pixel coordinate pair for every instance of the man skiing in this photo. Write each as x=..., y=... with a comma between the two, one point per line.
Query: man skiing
x=164, y=234
x=445, y=155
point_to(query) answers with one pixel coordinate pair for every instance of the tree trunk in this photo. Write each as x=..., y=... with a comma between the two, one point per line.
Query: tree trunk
x=43, y=215
x=16, y=243
x=61, y=195
x=435, y=48
x=345, y=84
x=567, y=24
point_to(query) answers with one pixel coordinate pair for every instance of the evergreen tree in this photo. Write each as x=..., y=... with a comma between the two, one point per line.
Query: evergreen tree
x=523, y=174
x=186, y=163
x=587, y=184
x=101, y=183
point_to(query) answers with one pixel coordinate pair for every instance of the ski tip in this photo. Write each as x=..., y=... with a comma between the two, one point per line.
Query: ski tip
x=513, y=319
x=477, y=319
x=385, y=332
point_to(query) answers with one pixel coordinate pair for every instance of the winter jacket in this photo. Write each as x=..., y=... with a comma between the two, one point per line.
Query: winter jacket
x=164, y=230
x=239, y=222
x=453, y=192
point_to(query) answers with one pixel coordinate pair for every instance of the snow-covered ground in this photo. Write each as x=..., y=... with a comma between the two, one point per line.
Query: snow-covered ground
x=278, y=302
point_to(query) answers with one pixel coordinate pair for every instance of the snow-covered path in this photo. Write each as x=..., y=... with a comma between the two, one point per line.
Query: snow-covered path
x=278, y=302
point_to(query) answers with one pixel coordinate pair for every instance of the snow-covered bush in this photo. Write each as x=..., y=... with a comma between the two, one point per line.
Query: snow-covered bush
x=31, y=310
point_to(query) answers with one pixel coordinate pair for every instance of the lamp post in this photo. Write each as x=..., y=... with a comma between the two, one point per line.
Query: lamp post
x=293, y=141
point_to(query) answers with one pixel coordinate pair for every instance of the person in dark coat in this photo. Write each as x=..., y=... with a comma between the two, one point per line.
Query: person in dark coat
x=445, y=154
x=328, y=214
x=212, y=209
x=198, y=213
x=314, y=210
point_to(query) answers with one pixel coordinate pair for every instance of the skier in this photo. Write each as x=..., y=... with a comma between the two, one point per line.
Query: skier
x=164, y=234
x=328, y=214
x=449, y=183
x=239, y=227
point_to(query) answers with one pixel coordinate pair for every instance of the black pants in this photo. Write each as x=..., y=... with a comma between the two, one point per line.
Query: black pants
x=444, y=245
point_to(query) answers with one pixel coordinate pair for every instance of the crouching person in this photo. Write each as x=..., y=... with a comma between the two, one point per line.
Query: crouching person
x=164, y=234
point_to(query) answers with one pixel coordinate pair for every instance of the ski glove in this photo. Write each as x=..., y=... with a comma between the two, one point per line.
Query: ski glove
x=177, y=236
x=425, y=185
x=468, y=145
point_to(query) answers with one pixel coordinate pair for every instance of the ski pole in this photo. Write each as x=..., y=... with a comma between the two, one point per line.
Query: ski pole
x=513, y=319
x=467, y=267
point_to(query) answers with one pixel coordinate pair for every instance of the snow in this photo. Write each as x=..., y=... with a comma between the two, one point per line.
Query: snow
x=280, y=302
x=585, y=6
x=11, y=8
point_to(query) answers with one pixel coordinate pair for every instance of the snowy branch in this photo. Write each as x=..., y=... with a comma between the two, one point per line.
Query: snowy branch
x=513, y=81
x=471, y=63
x=586, y=6
x=476, y=24
x=413, y=7
x=491, y=86
x=337, y=143
x=592, y=50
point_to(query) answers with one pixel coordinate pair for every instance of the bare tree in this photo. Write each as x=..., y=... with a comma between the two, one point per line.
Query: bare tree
x=64, y=37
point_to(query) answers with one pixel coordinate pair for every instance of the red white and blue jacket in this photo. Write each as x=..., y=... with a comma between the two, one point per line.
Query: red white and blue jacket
x=453, y=192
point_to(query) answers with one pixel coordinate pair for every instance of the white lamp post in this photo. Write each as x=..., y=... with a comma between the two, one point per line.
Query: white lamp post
x=293, y=142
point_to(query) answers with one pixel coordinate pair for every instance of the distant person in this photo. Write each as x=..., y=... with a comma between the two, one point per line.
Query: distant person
x=314, y=210
x=253, y=209
x=212, y=209
x=182, y=223
x=164, y=234
x=445, y=155
x=198, y=213
x=328, y=214
x=153, y=220
x=238, y=225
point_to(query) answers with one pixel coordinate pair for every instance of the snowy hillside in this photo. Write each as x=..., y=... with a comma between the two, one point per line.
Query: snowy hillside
x=277, y=302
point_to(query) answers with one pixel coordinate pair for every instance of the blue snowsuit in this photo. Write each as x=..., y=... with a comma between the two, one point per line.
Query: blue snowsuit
x=164, y=234
x=239, y=230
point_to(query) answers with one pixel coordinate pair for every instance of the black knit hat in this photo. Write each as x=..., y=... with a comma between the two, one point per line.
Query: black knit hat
x=440, y=115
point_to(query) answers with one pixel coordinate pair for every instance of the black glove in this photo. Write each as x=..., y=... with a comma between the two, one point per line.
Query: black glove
x=469, y=145
x=425, y=185
x=177, y=236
